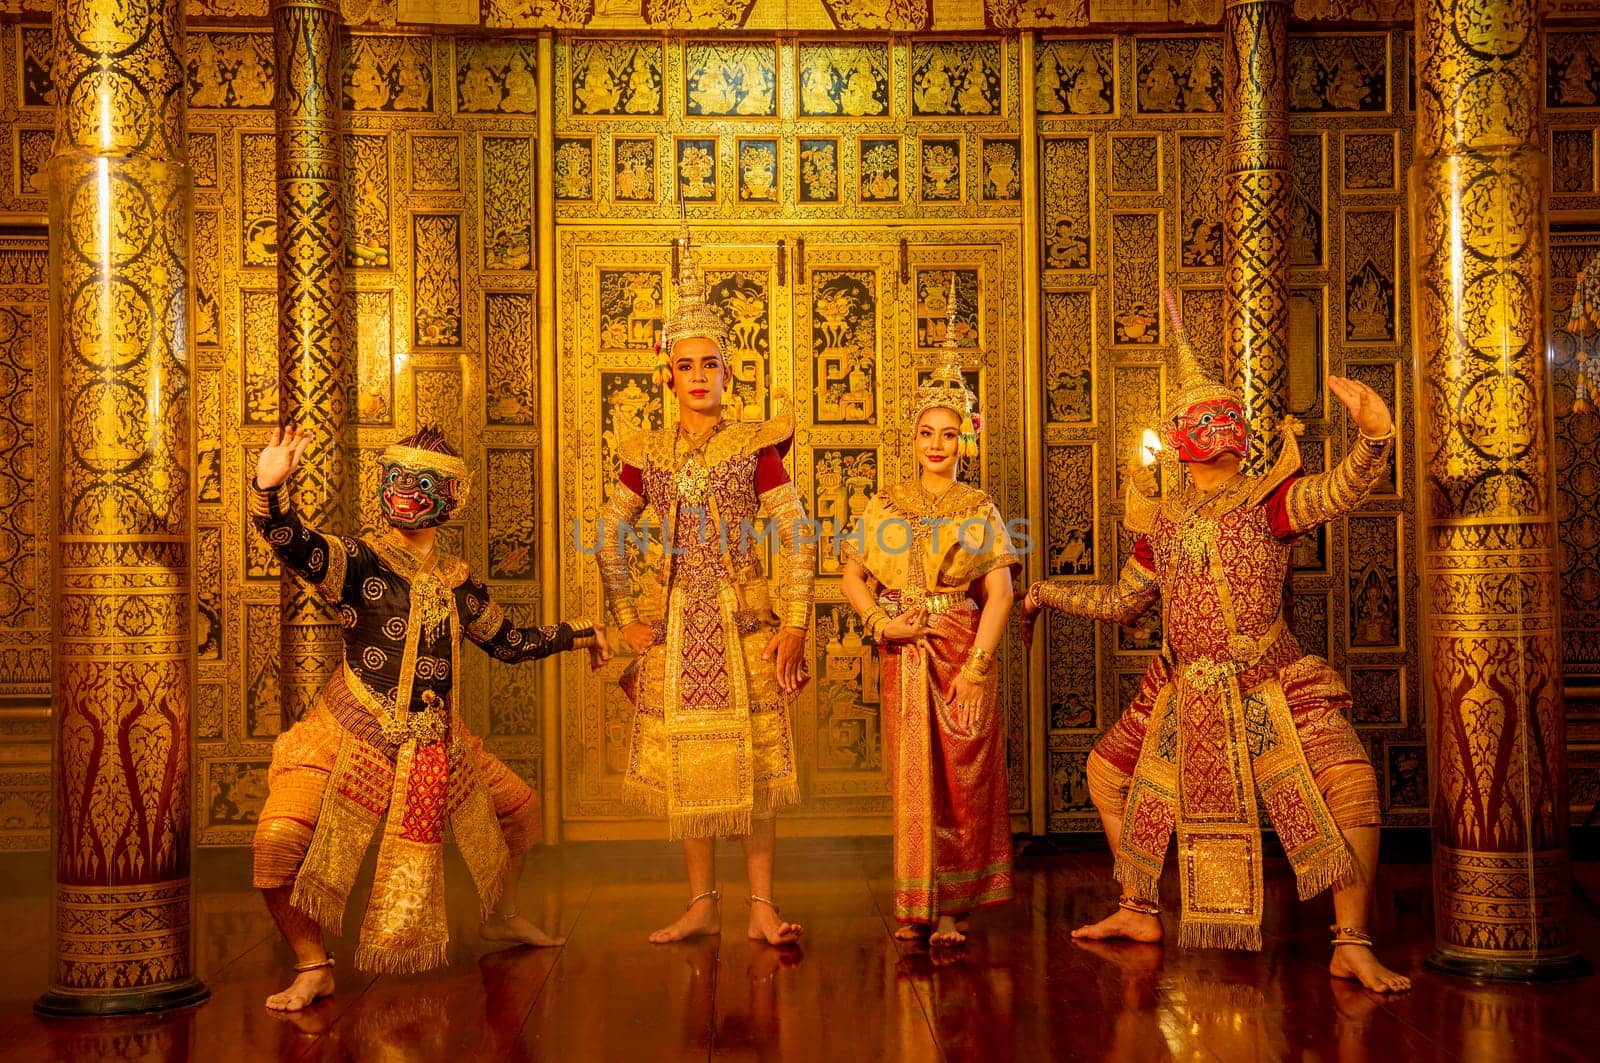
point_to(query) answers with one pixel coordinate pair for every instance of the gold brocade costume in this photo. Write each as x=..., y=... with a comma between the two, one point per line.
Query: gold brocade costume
x=952, y=826
x=711, y=744
x=1233, y=708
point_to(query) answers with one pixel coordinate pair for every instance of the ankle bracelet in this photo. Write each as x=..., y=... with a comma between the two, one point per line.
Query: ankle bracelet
x=1135, y=904
x=315, y=965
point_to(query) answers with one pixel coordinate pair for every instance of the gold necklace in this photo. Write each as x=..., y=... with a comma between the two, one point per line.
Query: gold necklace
x=696, y=440
x=930, y=501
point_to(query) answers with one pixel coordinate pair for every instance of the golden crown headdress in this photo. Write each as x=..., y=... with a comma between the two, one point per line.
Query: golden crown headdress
x=1193, y=383
x=947, y=389
x=692, y=317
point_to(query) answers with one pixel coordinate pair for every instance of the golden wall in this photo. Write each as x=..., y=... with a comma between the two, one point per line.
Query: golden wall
x=509, y=209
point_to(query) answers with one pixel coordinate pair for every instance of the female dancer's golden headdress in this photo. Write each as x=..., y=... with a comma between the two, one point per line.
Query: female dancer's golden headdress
x=947, y=388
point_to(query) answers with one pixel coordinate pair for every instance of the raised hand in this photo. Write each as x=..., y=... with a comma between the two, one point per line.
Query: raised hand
x=281, y=457
x=1367, y=408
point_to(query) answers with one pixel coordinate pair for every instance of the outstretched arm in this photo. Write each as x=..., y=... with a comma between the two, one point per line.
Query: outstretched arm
x=319, y=559
x=1122, y=602
x=1312, y=500
x=488, y=625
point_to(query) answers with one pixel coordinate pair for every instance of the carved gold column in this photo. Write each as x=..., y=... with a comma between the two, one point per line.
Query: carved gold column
x=1255, y=227
x=118, y=186
x=1492, y=647
x=311, y=362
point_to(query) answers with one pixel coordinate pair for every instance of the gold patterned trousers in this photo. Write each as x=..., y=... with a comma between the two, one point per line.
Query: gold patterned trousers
x=302, y=761
x=1320, y=706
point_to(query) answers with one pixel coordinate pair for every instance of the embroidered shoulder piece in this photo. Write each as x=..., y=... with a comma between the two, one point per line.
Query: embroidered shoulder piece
x=1288, y=464
x=635, y=449
x=403, y=563
x=962, y=500
x=742, y=438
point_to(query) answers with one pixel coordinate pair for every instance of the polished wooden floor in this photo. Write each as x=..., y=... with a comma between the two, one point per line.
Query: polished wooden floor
x=1021, y=991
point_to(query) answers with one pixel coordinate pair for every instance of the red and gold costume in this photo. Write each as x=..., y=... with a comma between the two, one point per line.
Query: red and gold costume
x=1233, y=708
x=712, y=746
x=386, y=735
x=952, y=815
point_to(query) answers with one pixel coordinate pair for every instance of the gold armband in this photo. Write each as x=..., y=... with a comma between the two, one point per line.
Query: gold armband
x=978, y=665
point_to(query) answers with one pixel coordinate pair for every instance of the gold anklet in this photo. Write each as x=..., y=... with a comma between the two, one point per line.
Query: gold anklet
x=763, y=900
x=1134, y=904
x=302, y=968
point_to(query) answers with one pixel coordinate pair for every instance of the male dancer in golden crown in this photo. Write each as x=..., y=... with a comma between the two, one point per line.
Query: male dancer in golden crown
x=386, y=731
x=1233, y=710
x=711, y=747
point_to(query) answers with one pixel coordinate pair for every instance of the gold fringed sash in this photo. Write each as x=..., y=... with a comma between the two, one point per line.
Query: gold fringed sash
x=1208, y=752
x=355, y=799
x=916, y=890
x=710, y=747
x=405, y=929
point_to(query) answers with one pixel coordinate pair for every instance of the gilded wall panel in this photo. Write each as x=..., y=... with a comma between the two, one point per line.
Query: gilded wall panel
x=258, y=341
x=513, y=513
x=435, y=162
x=956, y=78
x=1339, y=72
x=1572, y=161
x=1200, y=203
x=574, y=172
x=1572, y=70
x=622, y=78
x=849, y=81
x=1075, y=77
x=230, y=70
x=1136, y=263
x=1066, y=168
x=1308, y=619
x=1178, y=75
x=366, y=200
x=33, y=147
x=1202, y=319
x=1069, y=540
x=208, y=420
x=507, y=167
x=393, y=74
x=436, y=280
x=849, y=735
x=1069, y=352
x=1373, y=583
x=203, y=165
x=496, y=77
x=206, y=271
x=371, y=328
x=1308, y=354
x=1135, y=164
x=1370, y=162
x=511, y=376
x=723, y=79
x=1371, y=276
x=258, y=211
x=1307, y=202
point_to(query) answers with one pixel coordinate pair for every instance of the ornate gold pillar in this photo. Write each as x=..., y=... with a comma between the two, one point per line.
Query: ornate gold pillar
x=118, y=187
x=1255, y=227
x=311, y=364
x=1492, y=657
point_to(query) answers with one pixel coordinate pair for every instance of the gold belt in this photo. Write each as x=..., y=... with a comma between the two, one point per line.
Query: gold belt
x=943, y=602
x=1206, y=673
x=399, y=725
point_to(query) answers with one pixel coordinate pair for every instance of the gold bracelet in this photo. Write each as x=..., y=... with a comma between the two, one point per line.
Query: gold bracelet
x=1138, y=904
x=1378, y=439
x=870, y=619
x=879, y=626
x=978, y=665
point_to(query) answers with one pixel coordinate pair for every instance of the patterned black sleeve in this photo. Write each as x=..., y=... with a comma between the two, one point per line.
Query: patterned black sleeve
x=321, y=560
x=488, y=625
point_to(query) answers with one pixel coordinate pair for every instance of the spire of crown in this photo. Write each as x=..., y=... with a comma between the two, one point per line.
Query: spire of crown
x=692, y=316
x=1191, y=382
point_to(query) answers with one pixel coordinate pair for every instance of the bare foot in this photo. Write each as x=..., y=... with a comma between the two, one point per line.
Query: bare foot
x=518, y=930
x=911, y=932
x=946, y=934
x=767, y=925
x=1124, y=925
x=1359, y=963
x=307, y=987
x=699, y=919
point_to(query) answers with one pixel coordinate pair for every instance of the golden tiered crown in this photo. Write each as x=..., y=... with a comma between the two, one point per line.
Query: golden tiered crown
x=1193, y=383
x=693, y=317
